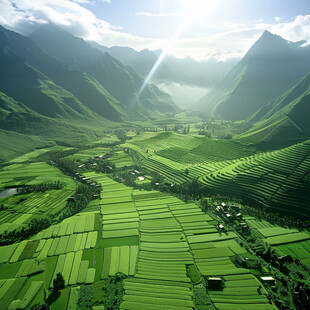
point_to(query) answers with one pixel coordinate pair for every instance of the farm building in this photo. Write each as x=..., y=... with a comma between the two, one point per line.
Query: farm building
x=215, y=283
x=268, y=279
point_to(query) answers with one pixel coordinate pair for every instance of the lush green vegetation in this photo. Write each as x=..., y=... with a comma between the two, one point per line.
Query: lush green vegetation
x=127, y=239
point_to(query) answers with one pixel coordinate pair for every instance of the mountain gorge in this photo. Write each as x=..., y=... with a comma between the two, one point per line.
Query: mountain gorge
x=24, y=59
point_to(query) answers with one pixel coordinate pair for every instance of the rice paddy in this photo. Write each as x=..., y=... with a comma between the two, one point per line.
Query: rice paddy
x=164, y=248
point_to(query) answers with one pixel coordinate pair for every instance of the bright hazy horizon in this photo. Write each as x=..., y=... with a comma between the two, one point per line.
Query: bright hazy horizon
x=217, y=29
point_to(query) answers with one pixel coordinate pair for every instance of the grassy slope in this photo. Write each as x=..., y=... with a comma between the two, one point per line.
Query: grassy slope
x=284, y=121
x=258, y=78
x=14, y=144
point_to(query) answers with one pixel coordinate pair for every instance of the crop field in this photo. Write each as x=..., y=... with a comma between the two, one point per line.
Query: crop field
x=23, y=208
x=283, y=240
x=161, y=244
x=31, y=173
x=278, y=179
x=84, y=155
x=121, y=159
x=19, y=210
x=240, y=292
x=32, y=156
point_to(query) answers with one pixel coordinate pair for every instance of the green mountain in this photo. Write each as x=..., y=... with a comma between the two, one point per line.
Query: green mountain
x=122, y=82
x=270, y=67
x=283, y=121
x=77, y=83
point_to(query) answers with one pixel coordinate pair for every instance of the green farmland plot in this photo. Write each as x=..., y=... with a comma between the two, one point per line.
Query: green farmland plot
x=161, y=244
x=32, y=173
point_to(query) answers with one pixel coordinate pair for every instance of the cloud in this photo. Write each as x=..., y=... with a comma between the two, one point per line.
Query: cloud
x=222, y=41
x=159, y=14
x=296, y=30
x=81, y=1
x=277, y=19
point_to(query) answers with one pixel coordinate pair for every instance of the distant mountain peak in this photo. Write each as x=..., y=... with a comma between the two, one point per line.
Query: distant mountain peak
x=267, y=36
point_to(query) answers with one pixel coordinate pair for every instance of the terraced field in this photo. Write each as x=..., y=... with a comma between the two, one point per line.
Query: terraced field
x=156, y=240
x=187, y=149
x=121, y=159
x=84, y=155
x=283, y=240
x=280, y=179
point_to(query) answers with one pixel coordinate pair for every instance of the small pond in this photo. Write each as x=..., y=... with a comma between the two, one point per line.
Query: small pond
x=8, y=192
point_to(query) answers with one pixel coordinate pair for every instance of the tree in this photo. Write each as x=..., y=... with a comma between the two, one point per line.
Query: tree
x=59, y=282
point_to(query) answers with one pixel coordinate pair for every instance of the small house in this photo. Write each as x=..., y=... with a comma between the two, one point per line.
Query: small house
x=215, y=283
x=239, y=216
x=285, y=259
x=268, y=279
x=221, y=227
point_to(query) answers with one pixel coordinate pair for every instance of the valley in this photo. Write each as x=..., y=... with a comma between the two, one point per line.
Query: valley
x=136, y=180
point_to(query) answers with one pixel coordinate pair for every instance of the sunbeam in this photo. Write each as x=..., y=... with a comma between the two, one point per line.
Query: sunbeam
x=190, y=9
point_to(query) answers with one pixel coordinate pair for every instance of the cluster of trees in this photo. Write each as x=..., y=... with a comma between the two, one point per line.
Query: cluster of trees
x=33, y=228
x=121, y=134
x=85, y=297
x=40, y=187
x=276, y=218
x=177, y=128
x=2, y=207
x=105, y=166
x=84, y=193
x=113, y=292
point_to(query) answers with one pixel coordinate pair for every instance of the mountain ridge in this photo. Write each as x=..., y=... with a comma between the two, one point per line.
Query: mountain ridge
x=270, y=67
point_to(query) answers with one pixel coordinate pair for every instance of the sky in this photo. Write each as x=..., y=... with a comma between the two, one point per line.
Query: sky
x=202, y=29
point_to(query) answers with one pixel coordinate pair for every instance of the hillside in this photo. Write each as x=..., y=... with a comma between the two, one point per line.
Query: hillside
x=284, y=121
x=21, y=55
x=43, y=97
x=122, y=82
x=277, y=179
x=271, y=67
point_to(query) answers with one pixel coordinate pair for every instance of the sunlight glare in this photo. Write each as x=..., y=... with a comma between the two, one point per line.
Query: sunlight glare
x=190, y=9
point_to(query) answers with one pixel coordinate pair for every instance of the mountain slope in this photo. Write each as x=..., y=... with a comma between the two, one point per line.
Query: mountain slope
x=29, y=86
x=120, y=81
x=270, y=67
x=76, y=82
x=285, y=120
